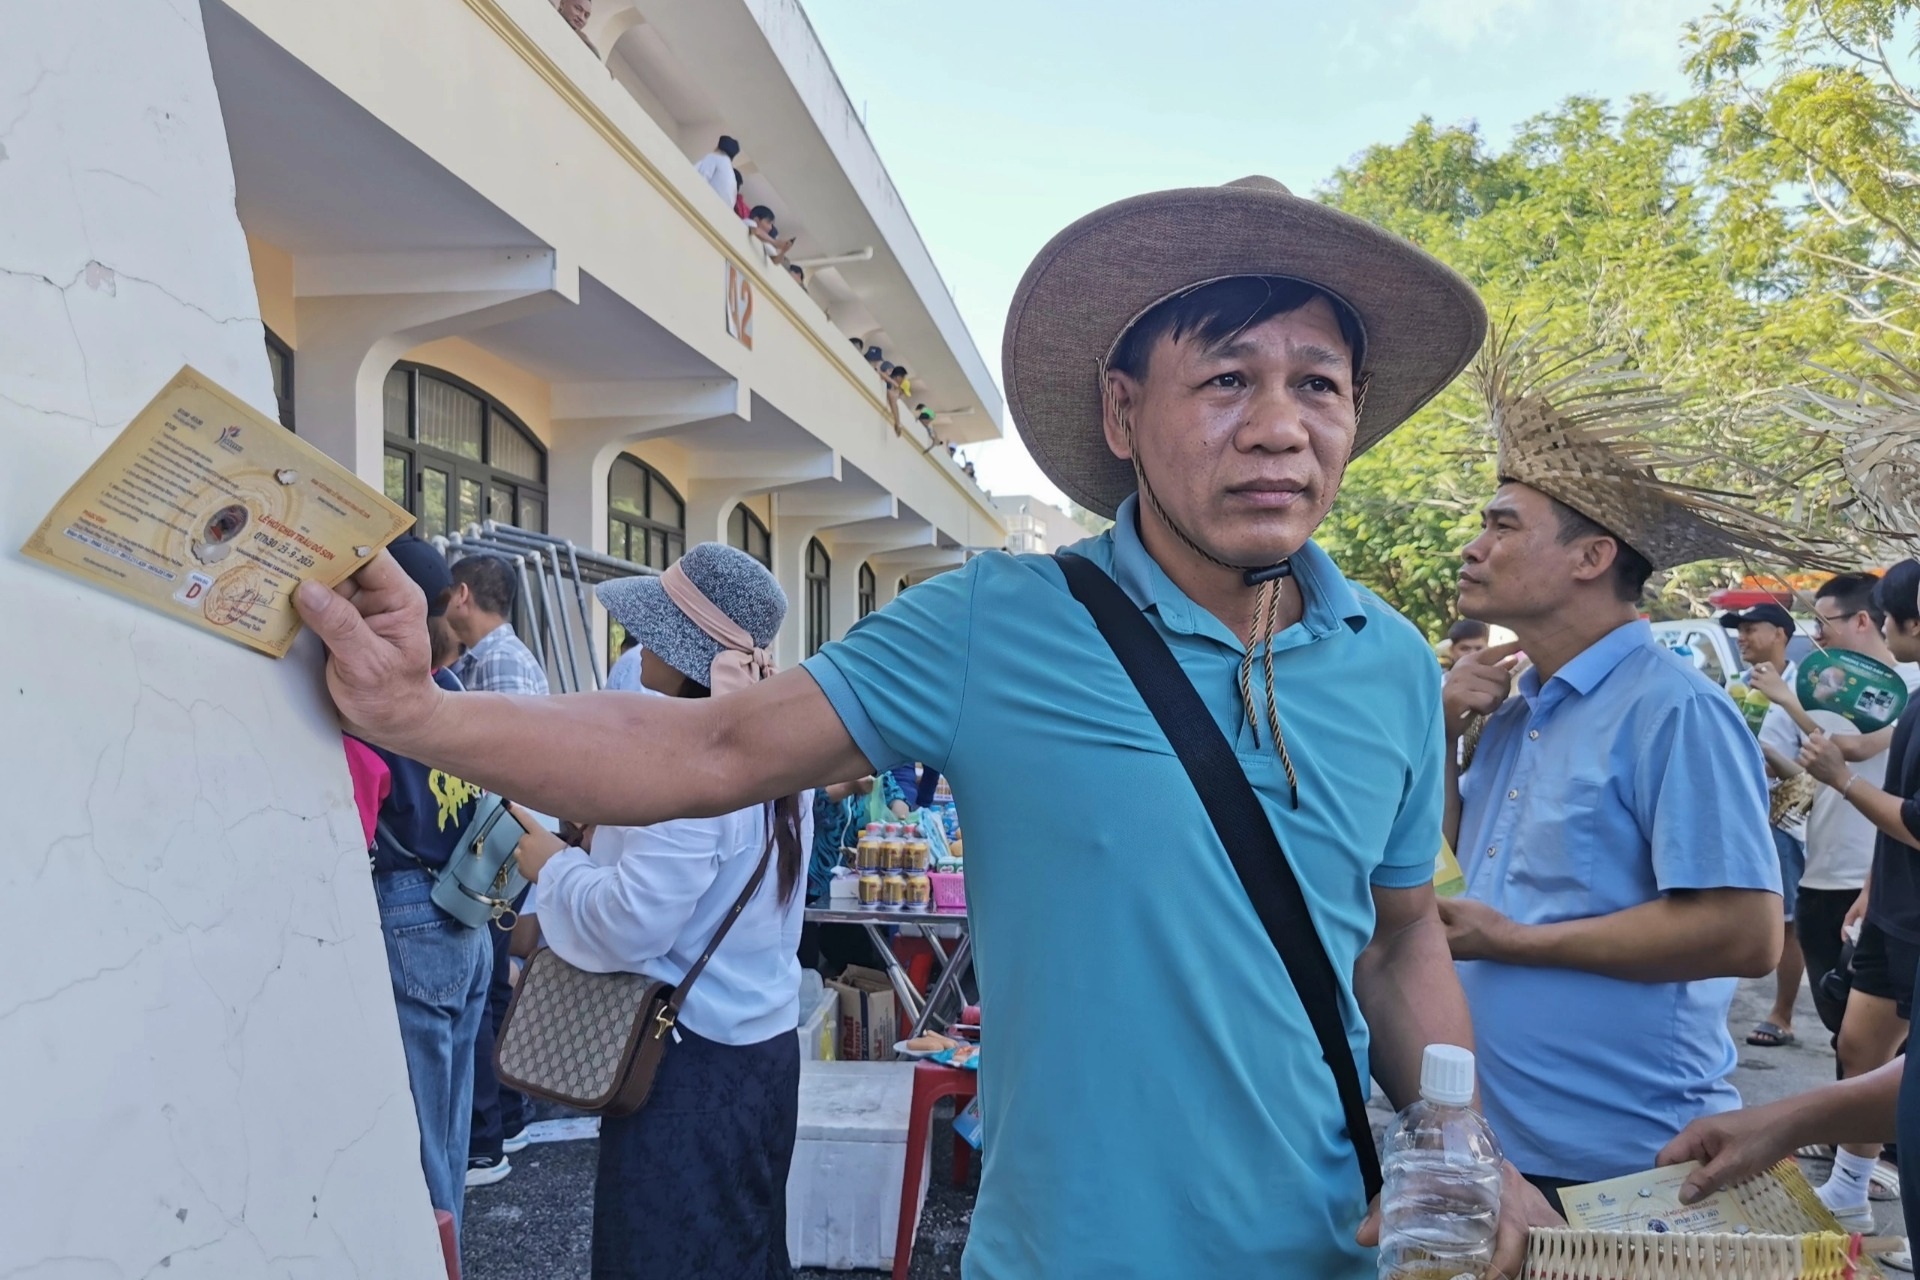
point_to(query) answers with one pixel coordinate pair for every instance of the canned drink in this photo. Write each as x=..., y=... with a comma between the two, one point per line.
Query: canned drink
x=870, y=855
x=918, y=854
x=919, y=892
x=870, y=893
x=893, y=893
x=896, y=852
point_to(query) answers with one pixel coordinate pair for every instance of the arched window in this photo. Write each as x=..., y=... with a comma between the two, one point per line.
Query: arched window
x=869, y=591
x=280, y=361
x=819, y=589
x=456, y=456
x=745, y=531
x=646, y=518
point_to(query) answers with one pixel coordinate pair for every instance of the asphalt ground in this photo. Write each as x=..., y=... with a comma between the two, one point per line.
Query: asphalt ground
x=538, y=1223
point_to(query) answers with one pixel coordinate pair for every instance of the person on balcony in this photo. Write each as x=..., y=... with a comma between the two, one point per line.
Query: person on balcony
x=760, y=227
x=717, y=168
x=576, y=13
x=1207, y=393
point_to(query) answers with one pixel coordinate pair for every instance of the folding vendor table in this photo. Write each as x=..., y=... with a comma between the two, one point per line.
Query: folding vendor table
x=953, y=965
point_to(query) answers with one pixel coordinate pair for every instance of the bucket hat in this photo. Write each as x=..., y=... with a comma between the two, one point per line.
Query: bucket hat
x=1422, y=321
x=733, y=582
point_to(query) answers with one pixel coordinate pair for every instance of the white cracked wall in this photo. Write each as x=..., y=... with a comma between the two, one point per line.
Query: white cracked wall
x=197, y=1039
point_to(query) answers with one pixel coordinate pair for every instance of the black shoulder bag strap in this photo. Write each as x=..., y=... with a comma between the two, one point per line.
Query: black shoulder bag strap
x=1242, y=826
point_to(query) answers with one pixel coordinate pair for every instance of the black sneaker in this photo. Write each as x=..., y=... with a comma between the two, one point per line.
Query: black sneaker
x=484, y=1171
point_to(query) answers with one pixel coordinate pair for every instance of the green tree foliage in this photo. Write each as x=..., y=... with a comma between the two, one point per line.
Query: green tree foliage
x=1672, y=234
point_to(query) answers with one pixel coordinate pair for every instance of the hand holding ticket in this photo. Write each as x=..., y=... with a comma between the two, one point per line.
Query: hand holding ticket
x=212, y=513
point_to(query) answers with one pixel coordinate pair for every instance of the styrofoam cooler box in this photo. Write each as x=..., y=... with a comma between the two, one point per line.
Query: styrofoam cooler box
x=843, y=1195
x=819, y=1021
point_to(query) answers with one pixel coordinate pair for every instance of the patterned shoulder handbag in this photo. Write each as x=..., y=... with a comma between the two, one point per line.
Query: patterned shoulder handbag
x=594, y=1041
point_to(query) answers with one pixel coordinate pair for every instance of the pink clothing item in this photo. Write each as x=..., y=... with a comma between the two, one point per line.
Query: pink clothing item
x=740, y=662
x=372, y=783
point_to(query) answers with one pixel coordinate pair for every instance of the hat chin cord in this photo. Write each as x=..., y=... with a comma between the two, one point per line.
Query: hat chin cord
x=1266, y=615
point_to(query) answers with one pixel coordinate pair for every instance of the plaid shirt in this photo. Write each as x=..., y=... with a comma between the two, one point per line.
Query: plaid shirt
x=500, y=663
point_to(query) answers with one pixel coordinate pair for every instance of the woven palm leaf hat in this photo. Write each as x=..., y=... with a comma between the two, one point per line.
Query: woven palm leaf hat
x=1878, y=428
x=1586, y=432
x=1090, y=284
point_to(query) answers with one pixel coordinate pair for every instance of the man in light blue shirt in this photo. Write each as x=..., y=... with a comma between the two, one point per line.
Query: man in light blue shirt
x=1201, y=364
x=1612, y=819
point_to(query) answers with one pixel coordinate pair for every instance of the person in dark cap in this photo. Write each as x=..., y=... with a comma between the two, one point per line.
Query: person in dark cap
x=414, y=817
x=693, y=1186
x=1762, y=634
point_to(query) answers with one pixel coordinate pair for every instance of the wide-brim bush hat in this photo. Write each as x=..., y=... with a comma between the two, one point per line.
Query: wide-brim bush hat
x=1422, y=321
x=685, y=615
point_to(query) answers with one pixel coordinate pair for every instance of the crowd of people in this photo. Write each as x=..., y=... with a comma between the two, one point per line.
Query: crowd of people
x=717, y=167
x=1614, y=814
x=696, y=1183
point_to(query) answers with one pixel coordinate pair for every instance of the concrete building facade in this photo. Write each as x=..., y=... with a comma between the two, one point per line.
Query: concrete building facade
x=466, y=253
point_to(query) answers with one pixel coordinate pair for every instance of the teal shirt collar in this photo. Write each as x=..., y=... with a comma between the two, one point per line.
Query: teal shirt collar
x=1330, y=599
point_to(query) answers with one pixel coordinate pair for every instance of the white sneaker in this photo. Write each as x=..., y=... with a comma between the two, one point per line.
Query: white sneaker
x=515, y=1143
x=484, y=1171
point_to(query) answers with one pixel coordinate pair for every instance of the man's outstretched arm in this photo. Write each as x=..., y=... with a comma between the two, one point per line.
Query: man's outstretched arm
x=596, y=757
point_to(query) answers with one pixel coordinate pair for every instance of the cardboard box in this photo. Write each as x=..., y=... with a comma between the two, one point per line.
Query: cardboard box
x=869, y=1015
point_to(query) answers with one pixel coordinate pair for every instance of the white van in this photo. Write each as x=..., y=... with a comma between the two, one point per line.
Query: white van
x=1712, y=650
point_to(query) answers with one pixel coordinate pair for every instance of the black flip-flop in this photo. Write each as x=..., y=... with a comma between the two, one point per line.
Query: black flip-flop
x=1767, y=1035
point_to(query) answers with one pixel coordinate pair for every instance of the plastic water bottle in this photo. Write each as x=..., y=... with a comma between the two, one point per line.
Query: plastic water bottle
x=1441, y=1203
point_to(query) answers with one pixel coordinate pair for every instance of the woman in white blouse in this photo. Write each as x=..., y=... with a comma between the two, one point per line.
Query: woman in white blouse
x=694, y=1184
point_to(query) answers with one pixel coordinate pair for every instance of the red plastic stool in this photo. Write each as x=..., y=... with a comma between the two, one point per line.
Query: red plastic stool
x=917, y=957
x=449, y=1243
x=931, y=1083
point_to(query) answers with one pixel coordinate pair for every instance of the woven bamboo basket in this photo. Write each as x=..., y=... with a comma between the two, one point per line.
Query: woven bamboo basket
x=1794, y=1238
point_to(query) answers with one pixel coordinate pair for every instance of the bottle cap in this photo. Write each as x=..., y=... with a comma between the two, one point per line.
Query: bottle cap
x=1446, y=1075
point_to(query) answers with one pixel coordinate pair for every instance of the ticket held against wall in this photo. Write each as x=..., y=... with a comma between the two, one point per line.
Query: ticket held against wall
x=212, y=513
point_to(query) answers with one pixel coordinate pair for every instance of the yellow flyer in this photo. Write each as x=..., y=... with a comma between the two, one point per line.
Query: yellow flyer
x=1651, y=1202
x=211, y=513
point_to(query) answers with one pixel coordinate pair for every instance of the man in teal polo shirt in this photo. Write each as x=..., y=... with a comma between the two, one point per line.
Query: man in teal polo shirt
x=1202, y=364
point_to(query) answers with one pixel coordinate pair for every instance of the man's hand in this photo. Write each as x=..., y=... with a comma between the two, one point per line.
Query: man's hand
x=1522, y=1208
x=1768, y=681
x=537, y=847
x=1477, y=685
x=1820, y=756
x=1855, y=914
x=1731, y=1147
x=1475, y=931
x=378, y=655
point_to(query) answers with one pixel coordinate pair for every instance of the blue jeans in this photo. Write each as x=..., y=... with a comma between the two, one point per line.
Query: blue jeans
x=440, y=969
x=1793, y=865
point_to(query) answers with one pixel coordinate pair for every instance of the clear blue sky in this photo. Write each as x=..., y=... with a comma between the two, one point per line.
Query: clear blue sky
x=1002, y=121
